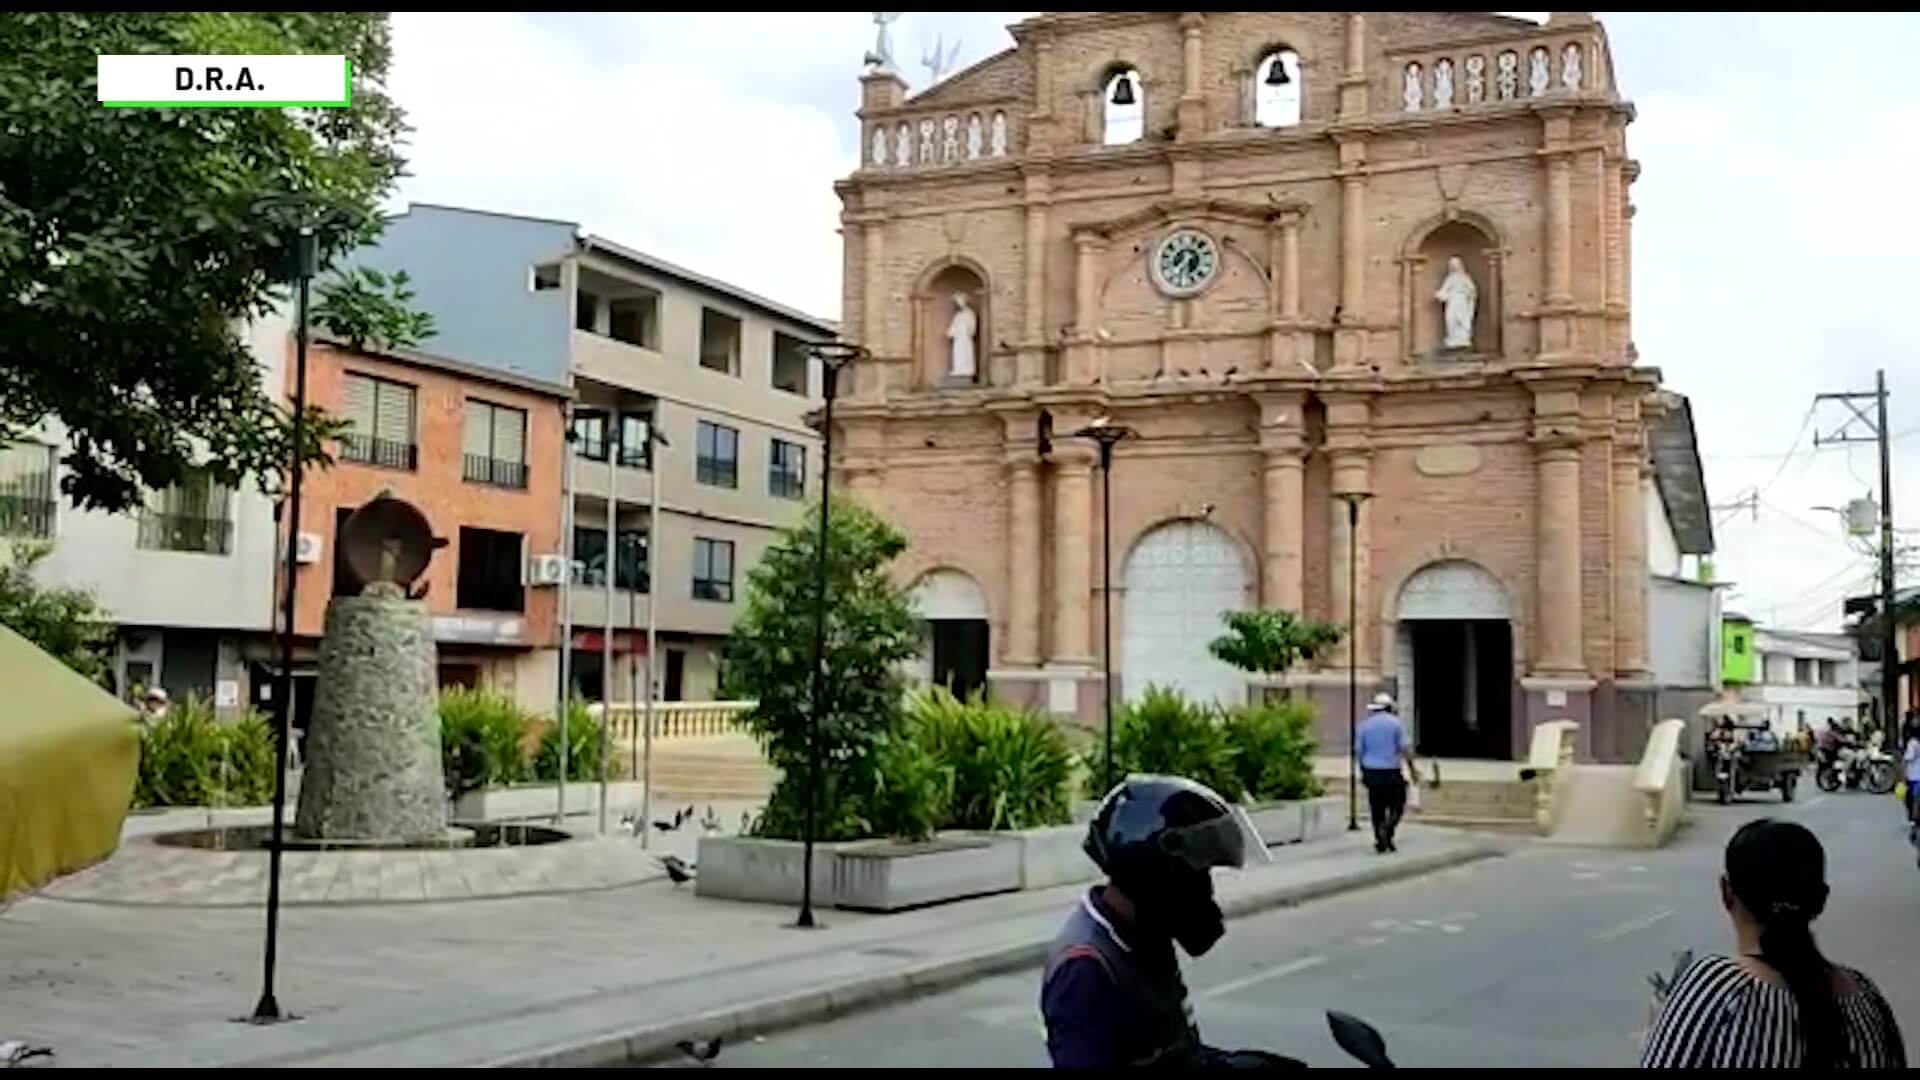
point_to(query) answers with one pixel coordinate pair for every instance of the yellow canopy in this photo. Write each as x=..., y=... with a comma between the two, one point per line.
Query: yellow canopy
x=68, y=756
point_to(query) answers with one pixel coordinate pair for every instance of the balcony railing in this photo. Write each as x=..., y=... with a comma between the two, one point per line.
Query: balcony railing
x=487, y=470
x=25, y=515
x=368, y=450
x=177, y=532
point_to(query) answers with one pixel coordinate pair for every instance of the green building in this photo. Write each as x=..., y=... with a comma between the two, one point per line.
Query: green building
x=1736, y=650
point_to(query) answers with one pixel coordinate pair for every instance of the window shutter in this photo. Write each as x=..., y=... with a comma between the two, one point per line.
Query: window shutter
x=477, y=436
x=393, y=413
x=510, y=435
x=359, y=404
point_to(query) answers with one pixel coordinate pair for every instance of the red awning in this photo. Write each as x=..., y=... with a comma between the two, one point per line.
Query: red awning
x=624, y=641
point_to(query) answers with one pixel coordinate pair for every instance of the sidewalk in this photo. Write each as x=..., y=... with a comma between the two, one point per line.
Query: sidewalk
x=588, y=979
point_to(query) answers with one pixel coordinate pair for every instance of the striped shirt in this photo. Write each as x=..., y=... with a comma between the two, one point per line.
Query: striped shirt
x=1719, y=1016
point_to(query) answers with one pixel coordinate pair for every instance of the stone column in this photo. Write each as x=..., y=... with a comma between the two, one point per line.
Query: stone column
x=1290, y=266
x=1191, y=112
x=1072, y=555
x=1023, y=559
x=1629, y=556
x=1559, y=229
x=1285, y=527
x=1353, y=80
x=1353, y=246
x=1086, y=280
x=873, y=301
x=1033, y=325
x=1352, y=472
x=1558, y=609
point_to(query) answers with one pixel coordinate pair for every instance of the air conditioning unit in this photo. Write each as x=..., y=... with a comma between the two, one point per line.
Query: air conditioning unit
x=547, y=570
x=306, y=548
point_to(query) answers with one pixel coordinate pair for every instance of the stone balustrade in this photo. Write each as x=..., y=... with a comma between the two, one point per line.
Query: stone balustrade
x=678, y=719
x=1527, y=70
x=938, y=139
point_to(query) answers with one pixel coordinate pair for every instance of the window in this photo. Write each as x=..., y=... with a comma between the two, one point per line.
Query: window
x=192, y=515
x=789, y=364
x=719, y=341
x=787, y=470
x=635, y=320
x=546, y=278
x=1802, y=672
x=379, y=414
x=713, y=570
x=635, y=450
x=1124, y=101
x=716, y=455
x=590, y=551
x=494, y=445
x=489, y=577
x=26, y=490
x=586, y=311
x=590, y=434
x=1276, y=89
x=1739, y=646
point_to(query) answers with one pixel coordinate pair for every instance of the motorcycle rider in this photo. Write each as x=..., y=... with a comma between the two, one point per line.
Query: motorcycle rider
x=1112, y=994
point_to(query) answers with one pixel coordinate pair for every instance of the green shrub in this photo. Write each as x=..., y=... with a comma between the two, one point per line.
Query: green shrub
x=583, y=747
x=191, y=758
x=1273, y=749
x=483, y=738
x=1011, y=768
x=912, y=790
x=1165, y=733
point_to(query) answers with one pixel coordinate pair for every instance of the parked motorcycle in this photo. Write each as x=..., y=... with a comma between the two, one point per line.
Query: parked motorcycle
x=1856, y=767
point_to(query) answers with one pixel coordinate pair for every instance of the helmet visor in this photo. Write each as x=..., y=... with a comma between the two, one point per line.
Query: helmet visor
x=1218, y=841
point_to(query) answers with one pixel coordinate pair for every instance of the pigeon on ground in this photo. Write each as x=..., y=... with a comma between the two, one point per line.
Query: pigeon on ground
x=746, y=822
x=702, y=1053
x=15, y=1051
x=687, y=814
x=679, y=871
x=710, y=824
x=666, y=826
x=630, y=823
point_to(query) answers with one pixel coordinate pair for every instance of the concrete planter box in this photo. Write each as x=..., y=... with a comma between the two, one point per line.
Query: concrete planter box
x=1282, y=823
x=1050, y=855
x=884, y=875
x=763, y=871
x=542, y=800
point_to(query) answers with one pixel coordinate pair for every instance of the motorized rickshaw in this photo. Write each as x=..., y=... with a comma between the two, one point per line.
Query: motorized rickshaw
x=1746, y=753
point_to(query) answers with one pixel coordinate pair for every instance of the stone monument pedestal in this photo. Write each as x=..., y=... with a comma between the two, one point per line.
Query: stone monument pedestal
x=373, y=745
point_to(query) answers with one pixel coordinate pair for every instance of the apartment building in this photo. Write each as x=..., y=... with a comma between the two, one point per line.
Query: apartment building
x=644, y=345
x=476, y=450
x=188, y=576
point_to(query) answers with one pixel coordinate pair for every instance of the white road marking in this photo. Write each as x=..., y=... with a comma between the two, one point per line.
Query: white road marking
x=1235, y=985
x=1369, y=941
x=1635, y=924
x=1817, y=800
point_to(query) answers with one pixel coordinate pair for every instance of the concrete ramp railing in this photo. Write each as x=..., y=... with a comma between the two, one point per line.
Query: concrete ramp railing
x=1661, y=780
x=1549, y=759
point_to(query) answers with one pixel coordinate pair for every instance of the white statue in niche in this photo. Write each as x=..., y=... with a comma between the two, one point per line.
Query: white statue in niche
x=1570, y=67
x=879, y=147
x=1458, y=296
x=1507, y=83
x=1411, y=89
x=999, y=134
x=974, y=137
x=1443, y=84
x=962, y=329
x=902, y=146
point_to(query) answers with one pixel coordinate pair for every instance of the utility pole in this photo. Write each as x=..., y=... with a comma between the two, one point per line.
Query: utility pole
x=1876, y=431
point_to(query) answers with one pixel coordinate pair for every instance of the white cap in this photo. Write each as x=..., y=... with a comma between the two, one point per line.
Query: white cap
x=156, y=694
x=1383, y=701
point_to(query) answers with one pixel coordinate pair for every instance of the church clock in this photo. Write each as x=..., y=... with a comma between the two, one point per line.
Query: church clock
x=1185, y=262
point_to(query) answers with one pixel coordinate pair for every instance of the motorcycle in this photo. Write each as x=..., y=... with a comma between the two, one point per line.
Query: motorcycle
x=1856, y=767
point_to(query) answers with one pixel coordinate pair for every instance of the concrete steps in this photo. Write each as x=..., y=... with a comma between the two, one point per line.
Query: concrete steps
x=712, y=769
x=1488, y=797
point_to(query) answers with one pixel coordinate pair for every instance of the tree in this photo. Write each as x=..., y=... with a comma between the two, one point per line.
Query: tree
x=1269, y=641
x=870, y=632
x=363, y=306
x=133, y=241
x=68, y=623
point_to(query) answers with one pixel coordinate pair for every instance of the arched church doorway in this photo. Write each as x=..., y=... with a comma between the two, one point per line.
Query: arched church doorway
x=1455, y=651
x=1179, y=579
x=954, y=636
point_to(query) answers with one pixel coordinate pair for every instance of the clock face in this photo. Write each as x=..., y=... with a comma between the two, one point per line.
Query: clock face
x=1185, y=262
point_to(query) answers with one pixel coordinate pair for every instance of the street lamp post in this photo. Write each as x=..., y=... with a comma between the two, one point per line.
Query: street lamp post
x=655, y=439
x=833, y=356
x=1353, y=499
x=305, y=256
x=1104, y=434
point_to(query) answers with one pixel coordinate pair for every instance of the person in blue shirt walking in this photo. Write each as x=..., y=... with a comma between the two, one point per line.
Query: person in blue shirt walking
x=1380, y=743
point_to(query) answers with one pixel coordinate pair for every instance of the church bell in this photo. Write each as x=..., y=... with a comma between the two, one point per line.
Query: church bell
x=1123, y=89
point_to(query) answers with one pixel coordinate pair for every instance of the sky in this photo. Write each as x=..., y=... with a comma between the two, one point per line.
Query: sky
x=1773, y=249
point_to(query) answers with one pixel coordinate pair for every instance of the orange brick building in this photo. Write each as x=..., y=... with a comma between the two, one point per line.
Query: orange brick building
x=478, y=452
x=1241, y=235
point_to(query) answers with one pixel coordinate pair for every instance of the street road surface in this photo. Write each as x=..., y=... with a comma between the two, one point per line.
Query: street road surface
x=1539, y=958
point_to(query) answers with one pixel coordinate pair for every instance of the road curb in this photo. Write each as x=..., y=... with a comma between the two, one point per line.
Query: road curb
x=654, y=1041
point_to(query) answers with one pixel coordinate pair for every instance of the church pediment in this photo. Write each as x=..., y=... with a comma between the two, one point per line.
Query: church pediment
x=1168, y=211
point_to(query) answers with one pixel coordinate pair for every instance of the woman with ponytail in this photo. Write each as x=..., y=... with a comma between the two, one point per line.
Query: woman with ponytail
x=1776, y=1003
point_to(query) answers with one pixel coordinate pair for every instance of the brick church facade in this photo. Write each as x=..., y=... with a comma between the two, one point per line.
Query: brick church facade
x=1259, y=275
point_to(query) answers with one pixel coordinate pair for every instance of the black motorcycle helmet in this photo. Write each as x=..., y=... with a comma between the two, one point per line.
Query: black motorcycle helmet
x=1149, y=825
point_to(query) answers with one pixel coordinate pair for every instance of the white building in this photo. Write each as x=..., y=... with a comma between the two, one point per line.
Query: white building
x=1804, y=676
x=188, y=577
x=1683, y=602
